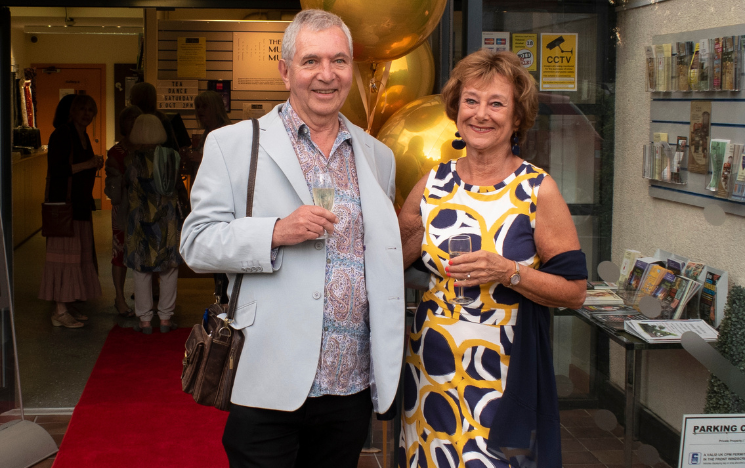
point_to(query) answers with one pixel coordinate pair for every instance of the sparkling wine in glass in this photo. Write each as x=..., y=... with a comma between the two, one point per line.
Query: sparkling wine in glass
x=323, y=192
x=459, y=245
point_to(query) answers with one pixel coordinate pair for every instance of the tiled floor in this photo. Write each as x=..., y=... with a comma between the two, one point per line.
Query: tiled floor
x=584, y=445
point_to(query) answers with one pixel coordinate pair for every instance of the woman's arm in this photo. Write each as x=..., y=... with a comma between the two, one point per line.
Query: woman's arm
x=554, y=234
x=410, y=223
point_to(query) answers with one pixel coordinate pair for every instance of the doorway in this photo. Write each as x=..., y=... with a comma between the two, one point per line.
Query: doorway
x=53, y=81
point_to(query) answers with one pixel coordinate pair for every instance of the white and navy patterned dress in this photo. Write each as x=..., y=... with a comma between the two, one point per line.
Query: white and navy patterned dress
x=458, y=356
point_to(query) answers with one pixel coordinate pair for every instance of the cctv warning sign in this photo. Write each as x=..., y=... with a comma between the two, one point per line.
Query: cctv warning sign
x=559, y=62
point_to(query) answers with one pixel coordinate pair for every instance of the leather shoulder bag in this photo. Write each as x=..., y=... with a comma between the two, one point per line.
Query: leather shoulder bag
x=214, y=347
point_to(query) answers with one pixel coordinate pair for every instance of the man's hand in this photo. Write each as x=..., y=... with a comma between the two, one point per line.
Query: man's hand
x=306, y=223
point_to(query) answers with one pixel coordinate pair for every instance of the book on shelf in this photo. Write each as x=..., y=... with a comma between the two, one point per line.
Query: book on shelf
x=663, y=287
x=602, y=297
x=669, y=331
x=707, y=304
x=693, y=270
x=629, y=258
x=615, y=322
x=651, y=278
x=675, y=266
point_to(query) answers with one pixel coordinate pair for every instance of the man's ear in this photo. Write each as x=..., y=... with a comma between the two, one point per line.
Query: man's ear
x=284, y=72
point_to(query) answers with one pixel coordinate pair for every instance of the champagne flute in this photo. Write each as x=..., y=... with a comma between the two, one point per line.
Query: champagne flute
x=323, y=192
x=459, y=245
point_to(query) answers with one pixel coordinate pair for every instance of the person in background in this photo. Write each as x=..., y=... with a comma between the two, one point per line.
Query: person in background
x=211, y=115
x=70, y=270
x=116, y=190
x=323, y=317
x=153, y=230
x=463, y=400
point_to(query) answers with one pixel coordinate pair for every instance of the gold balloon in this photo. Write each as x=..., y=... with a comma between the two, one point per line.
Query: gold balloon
x=384, y=30
x=411, y=77
x=420, y=136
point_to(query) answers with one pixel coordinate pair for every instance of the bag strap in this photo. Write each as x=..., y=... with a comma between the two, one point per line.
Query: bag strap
x=69, y=182
x=233, y=302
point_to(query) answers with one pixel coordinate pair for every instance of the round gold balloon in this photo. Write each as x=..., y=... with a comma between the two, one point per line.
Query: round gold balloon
x=411, y=77
x=420, y=136
x=384, y=30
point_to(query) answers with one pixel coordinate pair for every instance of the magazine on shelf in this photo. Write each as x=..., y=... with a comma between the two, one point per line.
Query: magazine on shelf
x=707, y=305
x=667, y=331
x=601, y=285
x=615, y=322
x=629, y=259
x=693, y=270
x=602, y=297
x=738, y=173
x=675, y=266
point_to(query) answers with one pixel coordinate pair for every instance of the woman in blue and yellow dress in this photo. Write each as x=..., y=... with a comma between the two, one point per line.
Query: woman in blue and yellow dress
x=460, y=407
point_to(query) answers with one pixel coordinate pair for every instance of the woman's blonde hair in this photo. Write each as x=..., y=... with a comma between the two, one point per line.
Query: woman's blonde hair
x=148, y=130
x=484, y=66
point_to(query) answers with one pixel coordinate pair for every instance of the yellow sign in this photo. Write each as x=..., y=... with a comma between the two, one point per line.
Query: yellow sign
x=559, y=62
x=192, y=57
x=526, y=46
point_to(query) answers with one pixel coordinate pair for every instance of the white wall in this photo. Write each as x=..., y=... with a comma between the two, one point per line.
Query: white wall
x=78, y=48
x=674, y=383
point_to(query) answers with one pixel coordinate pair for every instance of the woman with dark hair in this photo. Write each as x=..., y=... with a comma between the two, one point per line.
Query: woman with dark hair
x=478, y=380
x=117, y=192
x=70, y=270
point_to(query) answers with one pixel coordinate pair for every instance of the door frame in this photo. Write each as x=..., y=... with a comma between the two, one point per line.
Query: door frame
x=101, y=114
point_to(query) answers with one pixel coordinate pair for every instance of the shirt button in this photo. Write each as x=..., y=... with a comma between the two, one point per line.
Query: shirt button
x=316, y=295
x=319, y=245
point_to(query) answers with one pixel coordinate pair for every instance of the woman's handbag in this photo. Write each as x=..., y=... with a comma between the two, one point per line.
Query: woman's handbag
x=56, y=217
x=214, y=346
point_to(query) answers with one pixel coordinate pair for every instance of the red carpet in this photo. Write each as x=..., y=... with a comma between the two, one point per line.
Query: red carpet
x=133, y=413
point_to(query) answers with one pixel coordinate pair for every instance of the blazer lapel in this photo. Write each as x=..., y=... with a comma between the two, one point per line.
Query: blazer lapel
x=276, y=143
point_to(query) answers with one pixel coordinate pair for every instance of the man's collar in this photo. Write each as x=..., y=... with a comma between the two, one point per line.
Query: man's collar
x=300, y=128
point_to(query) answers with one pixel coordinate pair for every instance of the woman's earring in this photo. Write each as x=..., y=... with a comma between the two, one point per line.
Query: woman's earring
x=515, y=144
x=458, y=143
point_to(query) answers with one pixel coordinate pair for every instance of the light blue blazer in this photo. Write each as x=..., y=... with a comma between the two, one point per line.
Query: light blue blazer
x=280, y=308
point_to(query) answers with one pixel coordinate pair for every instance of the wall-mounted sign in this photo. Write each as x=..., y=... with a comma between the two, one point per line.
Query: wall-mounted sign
x=525, y=46
x=256, y=57
x=191, y=57
x=712, y=440
x=495, y=41
x=177, y=94
x=559, y=62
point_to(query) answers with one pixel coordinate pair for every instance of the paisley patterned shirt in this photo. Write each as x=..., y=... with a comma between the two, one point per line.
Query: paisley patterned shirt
x=344, y=365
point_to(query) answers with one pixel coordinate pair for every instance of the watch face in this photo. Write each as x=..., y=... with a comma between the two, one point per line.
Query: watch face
x=515, y=279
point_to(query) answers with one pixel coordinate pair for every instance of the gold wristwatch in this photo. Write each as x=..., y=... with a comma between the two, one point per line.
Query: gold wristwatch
x=515, y=278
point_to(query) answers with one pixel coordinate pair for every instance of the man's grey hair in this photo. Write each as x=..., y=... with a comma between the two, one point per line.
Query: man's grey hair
x=314, y=20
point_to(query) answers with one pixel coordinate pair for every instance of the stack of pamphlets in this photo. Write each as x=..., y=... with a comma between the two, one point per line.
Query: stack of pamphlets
x=601, y=285
x=611, y=318
x=602, y=297
x=669, y=331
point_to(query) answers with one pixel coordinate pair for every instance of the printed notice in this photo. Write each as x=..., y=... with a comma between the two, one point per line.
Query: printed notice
x=525, y=46
x=192, y=57
x=256, y=57
x=559, y=62
x=177, y=94
x=495, y=41
x=712, y=440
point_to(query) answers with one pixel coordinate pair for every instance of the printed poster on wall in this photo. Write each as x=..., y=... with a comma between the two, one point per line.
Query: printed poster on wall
x=177, y=94
x=525, y=46
x=698, y=146
x=191, y=57
x=712, y=441
x=495, y=41
x=256, y=58
x=559, y=62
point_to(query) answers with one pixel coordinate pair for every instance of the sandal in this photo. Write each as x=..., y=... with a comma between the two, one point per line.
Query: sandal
x=167, y=328
x=145, y=330
x=65, y=320
x=126, y=313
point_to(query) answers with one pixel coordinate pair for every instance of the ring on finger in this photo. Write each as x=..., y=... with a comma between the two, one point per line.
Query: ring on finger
x=468, y=276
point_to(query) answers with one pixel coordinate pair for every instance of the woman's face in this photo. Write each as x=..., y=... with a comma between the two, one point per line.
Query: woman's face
x=486, y=115
x=82, y=116
x=205, y=115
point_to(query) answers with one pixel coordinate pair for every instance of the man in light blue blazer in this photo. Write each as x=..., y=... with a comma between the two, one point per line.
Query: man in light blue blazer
x=323, y=318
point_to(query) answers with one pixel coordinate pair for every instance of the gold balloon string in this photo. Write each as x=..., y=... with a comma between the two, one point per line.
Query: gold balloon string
x=361, y=89
x=380, y=92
